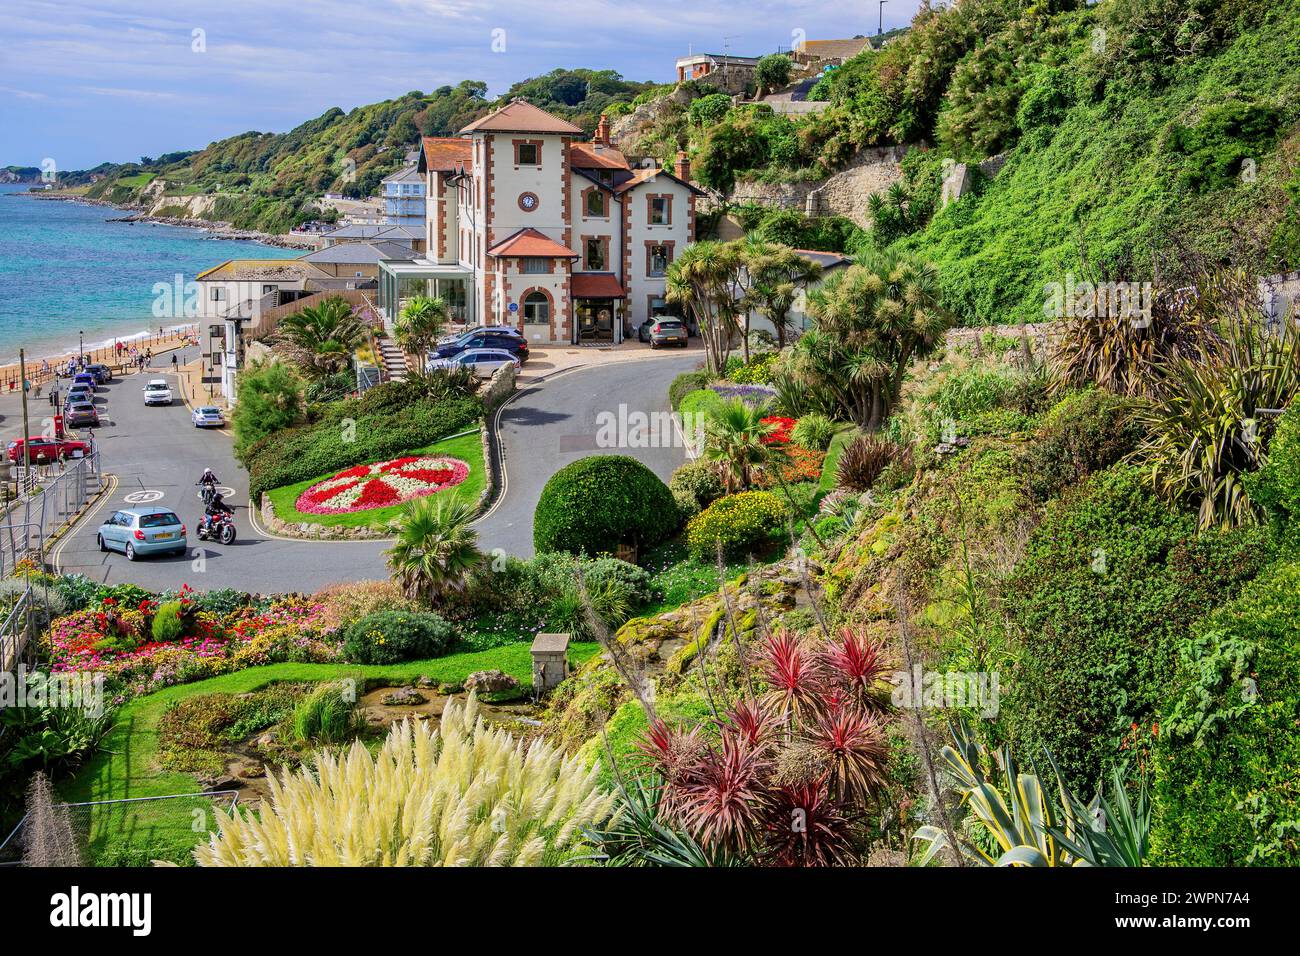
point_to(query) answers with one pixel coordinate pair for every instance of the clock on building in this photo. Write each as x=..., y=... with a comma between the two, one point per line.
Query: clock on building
x=528, y=202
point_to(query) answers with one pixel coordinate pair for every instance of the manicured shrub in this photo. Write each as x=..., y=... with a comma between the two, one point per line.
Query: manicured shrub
x=746, y=523
x=387, y=637
x=1109, y=585
x=813, y=431
x=758, y=371
x=1226, y=754
x=1083, y=433
x=696, y=482
x=595, y=504
x=630, y=582
x=686, y=383
x=697, y=407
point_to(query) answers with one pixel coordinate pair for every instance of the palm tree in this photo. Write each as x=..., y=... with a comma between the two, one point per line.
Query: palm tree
x=703, y=280
x=435, y=550
x=322, y=337
x=869, y=323
x=419, y=326
x=734, y=442
x=778, y=274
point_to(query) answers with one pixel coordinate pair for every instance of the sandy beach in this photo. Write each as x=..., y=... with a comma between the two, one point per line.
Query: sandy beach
x=41, y=369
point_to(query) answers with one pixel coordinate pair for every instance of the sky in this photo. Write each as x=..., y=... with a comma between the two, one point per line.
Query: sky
x=90, y=81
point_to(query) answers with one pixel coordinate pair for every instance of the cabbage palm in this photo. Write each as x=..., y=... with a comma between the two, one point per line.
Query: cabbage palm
x=778, y=275
x=733, y=440
x=322, y=337
x=869, y=322
x=703, y=280
x=436, y=549
x=419, y=326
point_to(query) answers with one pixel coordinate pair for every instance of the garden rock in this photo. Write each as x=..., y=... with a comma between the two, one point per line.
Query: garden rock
x=404, y=697
x=490, y=682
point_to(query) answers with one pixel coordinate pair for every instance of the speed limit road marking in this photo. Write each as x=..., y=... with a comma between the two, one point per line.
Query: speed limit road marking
x=143, y=497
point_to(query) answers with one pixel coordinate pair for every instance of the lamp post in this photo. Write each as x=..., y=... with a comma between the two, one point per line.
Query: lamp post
x=880, y=23
x=81, y=347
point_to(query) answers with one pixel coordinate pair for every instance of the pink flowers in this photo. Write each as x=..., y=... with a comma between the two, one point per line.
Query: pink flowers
x=384, y=483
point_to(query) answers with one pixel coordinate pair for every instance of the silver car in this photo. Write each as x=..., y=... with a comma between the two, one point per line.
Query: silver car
x=484, y=362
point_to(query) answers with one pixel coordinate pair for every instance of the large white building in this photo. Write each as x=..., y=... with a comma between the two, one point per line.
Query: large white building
x=531, y=226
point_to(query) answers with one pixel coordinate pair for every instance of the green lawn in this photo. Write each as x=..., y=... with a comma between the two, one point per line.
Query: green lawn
x=126, y=765
x=468, y=448
x=842, y=437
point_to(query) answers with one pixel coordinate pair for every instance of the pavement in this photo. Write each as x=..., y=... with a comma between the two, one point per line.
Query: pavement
x=155, y=455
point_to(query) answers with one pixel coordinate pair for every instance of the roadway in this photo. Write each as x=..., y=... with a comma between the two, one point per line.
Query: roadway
x=155, y=455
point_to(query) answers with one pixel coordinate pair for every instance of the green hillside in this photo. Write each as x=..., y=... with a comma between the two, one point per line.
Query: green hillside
x=269, y=181
x=1143, y=139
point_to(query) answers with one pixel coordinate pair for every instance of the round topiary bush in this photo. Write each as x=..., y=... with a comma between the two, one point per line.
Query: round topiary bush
x=387, y=637
x=686, y=383
x=699, y=481
x=596, y=504
x=747, y=523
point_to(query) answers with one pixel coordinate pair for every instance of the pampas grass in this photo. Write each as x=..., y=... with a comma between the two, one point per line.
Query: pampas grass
x=463, y=794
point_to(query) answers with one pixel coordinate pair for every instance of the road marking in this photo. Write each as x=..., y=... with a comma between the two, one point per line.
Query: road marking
x=143, y=497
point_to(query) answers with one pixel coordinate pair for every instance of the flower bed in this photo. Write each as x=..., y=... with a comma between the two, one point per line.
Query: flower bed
x=117, y=641
x=754, y=396
x=382, y=484
x=781, y=429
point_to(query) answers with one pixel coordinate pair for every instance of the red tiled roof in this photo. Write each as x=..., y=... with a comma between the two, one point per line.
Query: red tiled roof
x=530, y=242
x=586, y=156
x=595, y=285
x=640, y=176
x=445, y=153
x=520, y=116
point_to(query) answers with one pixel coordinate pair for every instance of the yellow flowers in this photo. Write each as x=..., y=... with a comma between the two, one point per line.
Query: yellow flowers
x=464, y=794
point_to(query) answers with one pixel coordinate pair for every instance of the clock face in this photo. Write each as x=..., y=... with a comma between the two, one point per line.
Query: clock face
x=528, y=202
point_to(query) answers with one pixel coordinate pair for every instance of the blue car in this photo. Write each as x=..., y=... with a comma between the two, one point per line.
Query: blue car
x=509, y=341
x=141, y=531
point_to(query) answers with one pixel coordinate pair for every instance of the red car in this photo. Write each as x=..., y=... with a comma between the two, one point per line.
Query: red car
x=44, y=449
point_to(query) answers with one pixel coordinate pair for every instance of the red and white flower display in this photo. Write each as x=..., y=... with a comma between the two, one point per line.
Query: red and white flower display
x=381, y=484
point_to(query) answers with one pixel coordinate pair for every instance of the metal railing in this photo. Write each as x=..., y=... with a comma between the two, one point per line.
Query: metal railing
x=16, y=631
x=49, y=497
x=101, y=823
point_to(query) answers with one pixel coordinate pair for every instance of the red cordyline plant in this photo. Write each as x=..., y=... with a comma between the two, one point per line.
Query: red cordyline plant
x=788, y=776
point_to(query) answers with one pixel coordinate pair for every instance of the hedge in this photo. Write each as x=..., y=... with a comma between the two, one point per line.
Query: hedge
x=596, y=504
x=747, y=523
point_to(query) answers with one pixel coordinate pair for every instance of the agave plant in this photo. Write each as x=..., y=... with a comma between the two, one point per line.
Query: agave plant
x=1209, y=419
x=456, y=794
x=1026, y=825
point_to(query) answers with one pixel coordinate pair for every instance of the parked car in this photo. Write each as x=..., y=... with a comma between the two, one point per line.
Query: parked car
x=81, y=415
x=79, y=393
x=86, y=378
x=643, y=330
x=506, y=329
x=667, y=331
x=508, y=341
x=45, y=449
x=102, y=373
x=484, y=362
x=158, y=392
x=207, y=417
x=140, y=531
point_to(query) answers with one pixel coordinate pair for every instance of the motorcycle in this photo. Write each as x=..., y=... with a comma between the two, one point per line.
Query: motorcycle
x=207, y=492
x=216, y=527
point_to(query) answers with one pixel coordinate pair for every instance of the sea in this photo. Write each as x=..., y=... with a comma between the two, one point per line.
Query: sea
x=65, y=270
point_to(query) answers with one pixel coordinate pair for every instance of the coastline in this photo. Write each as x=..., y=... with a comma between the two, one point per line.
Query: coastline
x=216, y=229
x=173, y=336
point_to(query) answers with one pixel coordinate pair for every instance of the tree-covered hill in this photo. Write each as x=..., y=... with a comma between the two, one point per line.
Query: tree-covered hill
x=1139, y=136
x=269, y=181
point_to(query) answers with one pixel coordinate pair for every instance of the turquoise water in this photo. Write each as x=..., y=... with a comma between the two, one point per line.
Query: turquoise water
x=63, y=269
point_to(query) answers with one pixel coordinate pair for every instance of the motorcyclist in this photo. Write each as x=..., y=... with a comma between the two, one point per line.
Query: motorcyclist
x=218, y=506
x=208, y=478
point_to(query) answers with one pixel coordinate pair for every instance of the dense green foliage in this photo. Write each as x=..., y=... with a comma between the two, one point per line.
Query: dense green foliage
x=386, y=421
x=596, y=504
x=270, y=399
x=1227, y=758
x=388, y=637
x=1108, y=587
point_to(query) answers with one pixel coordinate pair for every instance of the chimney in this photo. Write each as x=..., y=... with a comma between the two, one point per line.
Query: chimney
x=682, y=169
x=602, y=131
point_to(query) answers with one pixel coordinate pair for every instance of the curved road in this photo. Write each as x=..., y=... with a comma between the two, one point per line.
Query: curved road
x=156, y=453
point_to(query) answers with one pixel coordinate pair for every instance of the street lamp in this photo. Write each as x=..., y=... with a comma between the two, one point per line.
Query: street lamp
x=880, y=24
x=81, y=347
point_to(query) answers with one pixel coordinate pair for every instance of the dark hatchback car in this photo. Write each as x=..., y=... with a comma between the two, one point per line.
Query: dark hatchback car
x=666, y=331
x=102, y=373
x=508, y=341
